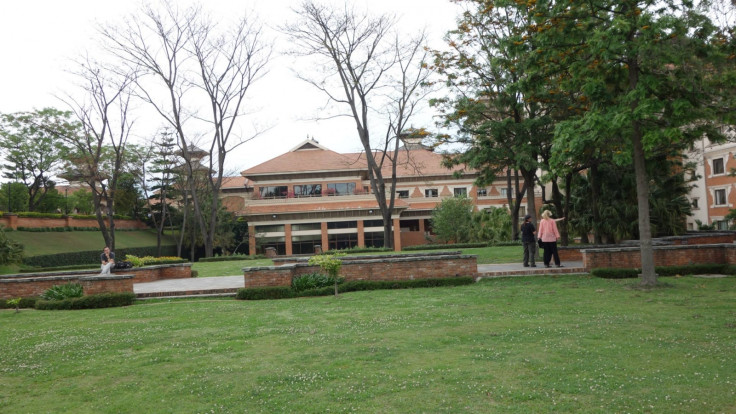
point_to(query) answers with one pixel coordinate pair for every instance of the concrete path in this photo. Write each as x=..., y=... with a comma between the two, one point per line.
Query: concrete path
x=228, y=285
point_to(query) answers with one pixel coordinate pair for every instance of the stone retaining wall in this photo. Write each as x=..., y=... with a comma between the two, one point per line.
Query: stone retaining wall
x=679, y=255
x=374, y=267
x=33, y=284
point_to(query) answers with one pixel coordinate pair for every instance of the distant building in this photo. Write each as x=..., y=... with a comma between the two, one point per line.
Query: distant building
x=311, y=196
x=714, y=194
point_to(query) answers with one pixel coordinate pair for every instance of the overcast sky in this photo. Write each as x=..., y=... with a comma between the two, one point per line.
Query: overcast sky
x=39, y=39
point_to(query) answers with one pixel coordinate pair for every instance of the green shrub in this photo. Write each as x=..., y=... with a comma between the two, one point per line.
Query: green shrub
x=283, y=292
x=356, y=249
x=92, y=256
x=694, y=269
x=11, y=251
x=360, y=285
x=312, y=281
x=61, y=292
x=445, y=246
x=195, y=273
x=103, y=300
x=35, y=269
x=613, y=273
x=25, y=303
x=229, y=258
x=277, y=292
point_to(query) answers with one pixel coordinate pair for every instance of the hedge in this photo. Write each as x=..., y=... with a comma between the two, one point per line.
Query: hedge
x=694, y=269
x=92, y=256
x=25, y=303
x=63, y=229
x=34, y=214
x=229, y=258
x=36, y=269
x=102, y=300
x=284, y=292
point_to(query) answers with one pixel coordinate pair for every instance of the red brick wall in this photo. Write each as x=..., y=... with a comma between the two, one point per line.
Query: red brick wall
x=33, y=284
x=412, y=238
x=573, y=253
x=116, y=284
x=386, y=268
x=630, y=257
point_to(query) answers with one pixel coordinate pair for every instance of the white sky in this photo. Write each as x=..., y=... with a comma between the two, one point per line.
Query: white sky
x=39, y=39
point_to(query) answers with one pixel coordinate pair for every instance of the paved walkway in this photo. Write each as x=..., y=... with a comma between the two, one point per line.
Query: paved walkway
x=228, y=285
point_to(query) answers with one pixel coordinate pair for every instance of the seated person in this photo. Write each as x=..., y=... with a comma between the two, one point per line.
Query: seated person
x=108, y=261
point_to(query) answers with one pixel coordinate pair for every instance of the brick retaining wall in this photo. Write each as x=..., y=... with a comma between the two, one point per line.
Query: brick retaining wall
x=678, y=255
x=33, y=284
x=22, y=287
x=375, y=267
x=574, y=253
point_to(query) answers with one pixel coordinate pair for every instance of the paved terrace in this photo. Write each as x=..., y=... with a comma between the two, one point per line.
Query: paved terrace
x=228, y=285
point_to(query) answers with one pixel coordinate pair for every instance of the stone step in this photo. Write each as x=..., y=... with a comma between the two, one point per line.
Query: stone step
x=187, y=293
x=534, y=271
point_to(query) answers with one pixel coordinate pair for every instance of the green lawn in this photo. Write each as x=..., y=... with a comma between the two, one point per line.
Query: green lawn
x=227, y=268
x=516, y=345
x=40, y=243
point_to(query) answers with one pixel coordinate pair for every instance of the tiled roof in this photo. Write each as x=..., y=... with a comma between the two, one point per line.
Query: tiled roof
x=235, y=182
x=302, y=160
x=309, y=156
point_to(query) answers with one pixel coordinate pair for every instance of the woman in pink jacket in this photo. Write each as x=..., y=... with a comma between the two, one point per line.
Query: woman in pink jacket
x=548, y=234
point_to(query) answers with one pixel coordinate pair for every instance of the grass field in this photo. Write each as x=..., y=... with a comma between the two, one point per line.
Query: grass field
x=516, y=345
x=40, y=243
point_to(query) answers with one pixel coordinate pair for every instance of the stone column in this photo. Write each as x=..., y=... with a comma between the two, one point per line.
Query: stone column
x=325, y=240
x=397, y=235
x=252, y=240
x=361, y=234
x=287, y=239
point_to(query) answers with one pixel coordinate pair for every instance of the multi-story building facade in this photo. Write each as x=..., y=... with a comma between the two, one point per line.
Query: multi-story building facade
x=714, y=193
x=311, y=196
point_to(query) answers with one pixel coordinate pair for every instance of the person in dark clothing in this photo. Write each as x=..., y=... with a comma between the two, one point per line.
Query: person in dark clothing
x=529, y=240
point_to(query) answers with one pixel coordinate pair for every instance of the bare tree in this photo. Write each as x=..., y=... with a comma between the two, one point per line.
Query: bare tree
x=185, y=59
x=98, y=154
x=367, y=69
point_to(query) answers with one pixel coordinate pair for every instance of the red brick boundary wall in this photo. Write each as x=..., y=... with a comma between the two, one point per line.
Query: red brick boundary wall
x=375, y=267
x=33, y=284
x=22, y=287
x=680, y=255
x=13, y=221
x=574, y=253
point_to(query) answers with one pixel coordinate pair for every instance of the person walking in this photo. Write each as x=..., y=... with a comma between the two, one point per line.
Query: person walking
x=108, y=261
x=548, y=234
x=528, y=230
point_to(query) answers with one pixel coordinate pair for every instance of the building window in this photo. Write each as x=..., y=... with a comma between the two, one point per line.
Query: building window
x=718, y=166
x=305, y=244
x=273, y=228
x=721, y=225
x=460, y=191
x=342, y=241
x=504, y=191
x=720, y=197
x=373, y=239
x=403, y=193
x=279, y=191
x=306, y=226
x=431, y=192
x=342, y=225
x=694, y=203
x=372, y=223
x=311, y=190
x=340, y=188
x=482, y=192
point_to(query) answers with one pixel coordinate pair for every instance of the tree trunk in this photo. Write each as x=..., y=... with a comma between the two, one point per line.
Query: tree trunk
x=594, y=192
x=648, y=276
